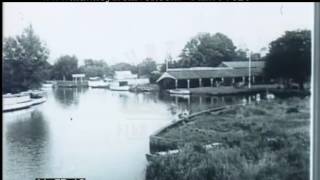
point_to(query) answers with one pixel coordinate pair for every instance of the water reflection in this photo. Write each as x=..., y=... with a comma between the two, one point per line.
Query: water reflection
x=26, y=146
x=91, y=133
x=68, y=96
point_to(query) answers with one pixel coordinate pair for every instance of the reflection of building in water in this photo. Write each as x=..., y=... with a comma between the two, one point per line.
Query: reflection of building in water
x=68, y=96
x=197, y=103
x=228, y=73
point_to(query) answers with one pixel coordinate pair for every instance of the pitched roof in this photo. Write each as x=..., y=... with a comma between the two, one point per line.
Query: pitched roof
x=208, y=72
x=242, y=64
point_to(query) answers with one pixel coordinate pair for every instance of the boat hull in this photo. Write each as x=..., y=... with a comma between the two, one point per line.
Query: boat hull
x=13, y=102
x=47, y=85
x=179, y=91
x=23, y=105
x=98, y=84
x=120, y=88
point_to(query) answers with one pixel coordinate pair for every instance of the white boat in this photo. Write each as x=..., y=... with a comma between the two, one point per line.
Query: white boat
x=119, y=86
x=96, y=82
x=124, y=80
x=12, y=102
x=9, y=99
x=37, y=94
x=47, y=85
x=38, y=100
x=183, y=96
x=179, y=91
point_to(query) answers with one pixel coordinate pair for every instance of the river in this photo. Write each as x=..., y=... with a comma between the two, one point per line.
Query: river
x=90, y=133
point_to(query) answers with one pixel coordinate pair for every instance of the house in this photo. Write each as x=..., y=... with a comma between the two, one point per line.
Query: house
x=227, y=73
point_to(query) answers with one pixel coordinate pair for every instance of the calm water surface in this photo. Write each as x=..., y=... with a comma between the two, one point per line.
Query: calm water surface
x=91, y=133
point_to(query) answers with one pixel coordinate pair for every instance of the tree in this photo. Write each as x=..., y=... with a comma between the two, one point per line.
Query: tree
x=241, y=55
x=207, y=50
x=146, y=67
x=92, y=68
x=64, y=67
x=171, y=63
x=124, y=67
x=290, y=57
x=25, y=62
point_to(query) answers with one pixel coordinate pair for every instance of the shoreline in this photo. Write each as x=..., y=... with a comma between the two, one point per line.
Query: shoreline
x=154, y=138
x=247, y=136
x=229, y=90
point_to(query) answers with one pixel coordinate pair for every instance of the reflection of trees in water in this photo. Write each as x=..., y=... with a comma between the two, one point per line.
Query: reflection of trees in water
x=68, y=96
x=27, y=146
x=195, y=103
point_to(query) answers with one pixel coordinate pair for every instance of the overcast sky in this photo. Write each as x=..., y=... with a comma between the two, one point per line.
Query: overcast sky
x=129, y=32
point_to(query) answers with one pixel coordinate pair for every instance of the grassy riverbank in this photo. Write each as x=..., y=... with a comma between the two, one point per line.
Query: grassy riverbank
x=262, y=141
x=230, y=90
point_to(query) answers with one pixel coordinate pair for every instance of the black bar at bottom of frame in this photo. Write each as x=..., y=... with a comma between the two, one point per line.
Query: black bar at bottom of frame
x=60, y=179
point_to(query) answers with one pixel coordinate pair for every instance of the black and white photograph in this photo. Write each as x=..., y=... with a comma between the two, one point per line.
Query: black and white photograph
x=158, y=91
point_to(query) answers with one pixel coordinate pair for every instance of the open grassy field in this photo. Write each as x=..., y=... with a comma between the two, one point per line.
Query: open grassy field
x=261, y=141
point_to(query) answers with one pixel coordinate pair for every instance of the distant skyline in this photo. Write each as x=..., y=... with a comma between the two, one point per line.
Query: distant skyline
x=130, y=32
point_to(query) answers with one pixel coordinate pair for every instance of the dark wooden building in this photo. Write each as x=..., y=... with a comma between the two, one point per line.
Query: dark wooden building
x=228, y=73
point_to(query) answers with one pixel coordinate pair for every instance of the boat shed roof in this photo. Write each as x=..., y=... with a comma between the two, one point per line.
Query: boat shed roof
x=242, y=64
x=208, y=72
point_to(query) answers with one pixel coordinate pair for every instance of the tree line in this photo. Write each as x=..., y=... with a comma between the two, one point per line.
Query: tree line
x=26, y=66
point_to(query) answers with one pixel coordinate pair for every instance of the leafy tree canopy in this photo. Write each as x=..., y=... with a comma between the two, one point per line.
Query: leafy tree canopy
x=93, y=68
x=147, y=66
x=64, y=67
x=124, y=67
x=290, y=57
x=25, y=62
x=207, y=50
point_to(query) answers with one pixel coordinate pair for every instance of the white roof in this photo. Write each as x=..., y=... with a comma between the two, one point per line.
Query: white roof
x=78, y=75
x=198, y=68
x=243, y=64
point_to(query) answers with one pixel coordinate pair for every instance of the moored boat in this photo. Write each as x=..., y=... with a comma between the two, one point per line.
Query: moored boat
x=120, y=86
x=15, y=98
x=96, y=82
x=35, y=94
x=179, y=91
x=24, y=100
x=125, y=80
x=47, y=85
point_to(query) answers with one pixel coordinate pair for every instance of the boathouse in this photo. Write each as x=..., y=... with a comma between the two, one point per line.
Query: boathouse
x=78, y=78
x=227, y=74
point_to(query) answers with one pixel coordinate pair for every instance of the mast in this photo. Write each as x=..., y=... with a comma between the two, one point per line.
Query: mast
x=167, y=65
x=249, y=80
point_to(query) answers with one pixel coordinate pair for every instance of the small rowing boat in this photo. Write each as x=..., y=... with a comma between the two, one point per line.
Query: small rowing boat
x=179, y=91
x=13, y=102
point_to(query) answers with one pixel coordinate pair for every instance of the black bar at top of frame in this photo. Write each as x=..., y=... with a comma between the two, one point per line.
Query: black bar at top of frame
x=156, y=1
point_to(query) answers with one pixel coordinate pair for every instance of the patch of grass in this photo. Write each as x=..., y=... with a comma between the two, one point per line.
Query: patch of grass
x=260, y=142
